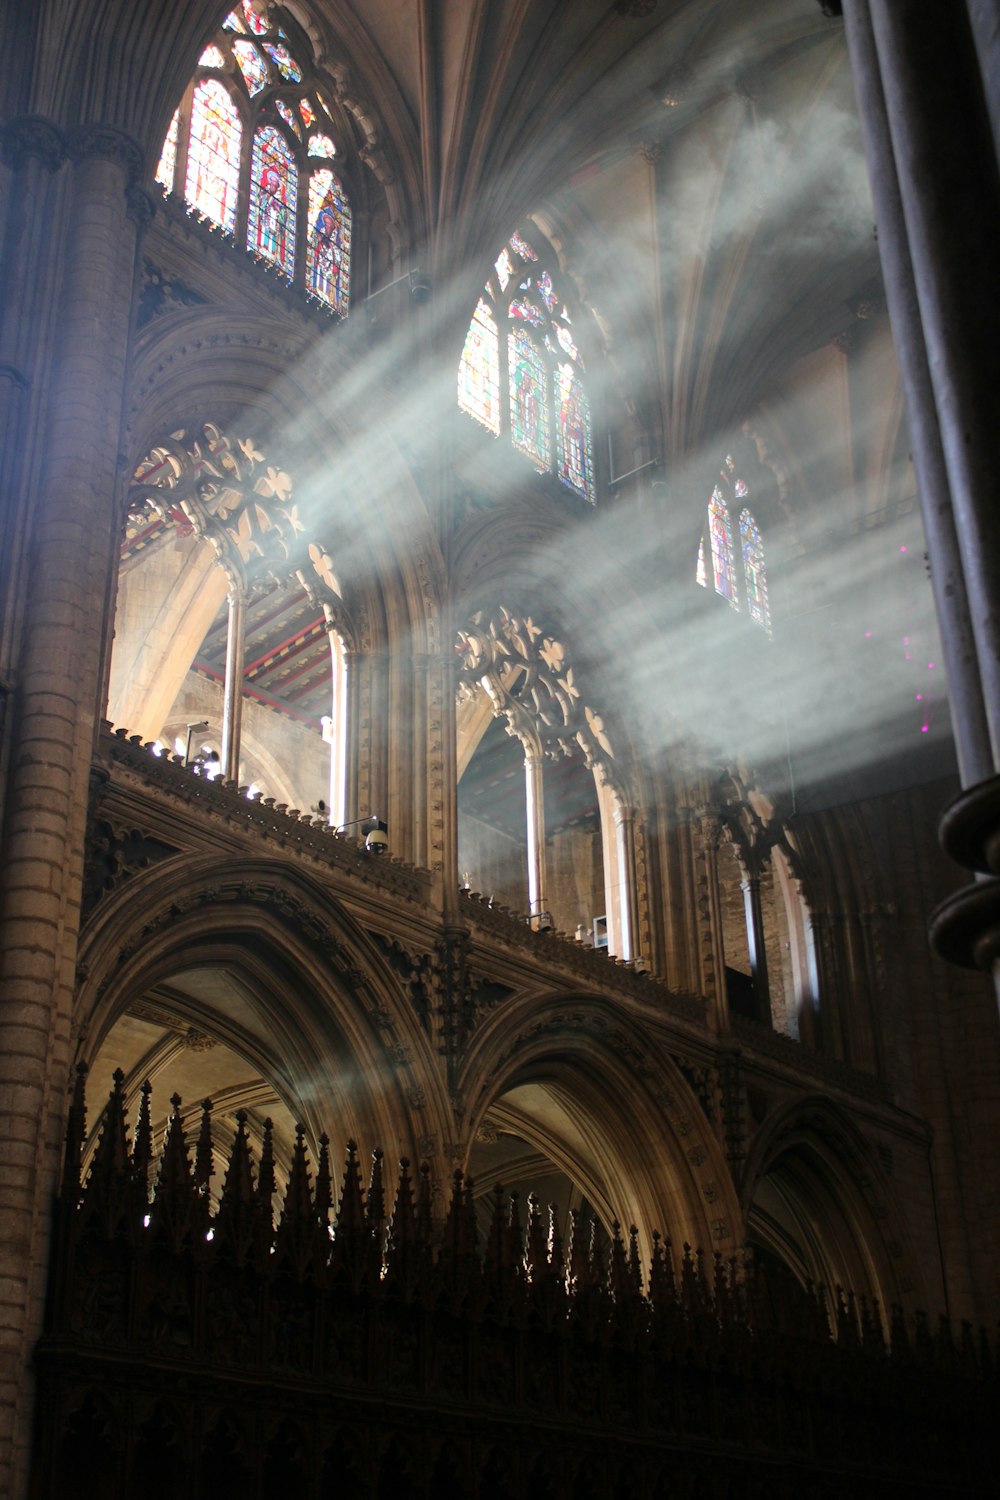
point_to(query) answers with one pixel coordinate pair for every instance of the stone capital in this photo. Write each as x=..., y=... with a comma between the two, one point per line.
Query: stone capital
x=32, y=136
x=109, y=144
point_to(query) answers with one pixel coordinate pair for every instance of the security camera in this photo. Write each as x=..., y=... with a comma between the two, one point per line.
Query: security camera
x=420, y=288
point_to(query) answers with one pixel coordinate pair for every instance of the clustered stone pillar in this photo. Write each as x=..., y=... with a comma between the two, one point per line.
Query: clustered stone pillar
x=924, y=79
x=81, y=207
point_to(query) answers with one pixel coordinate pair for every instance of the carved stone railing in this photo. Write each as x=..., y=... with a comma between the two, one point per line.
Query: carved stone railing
x=778, y=1047
x=593, y=968
x=196, y=799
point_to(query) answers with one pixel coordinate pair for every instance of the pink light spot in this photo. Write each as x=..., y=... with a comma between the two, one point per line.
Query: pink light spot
x=906, y=640
x=902, y=549
x=868, y=635
x=906, y=655
x=920, y=697
x=930, y=666
x=923, y=729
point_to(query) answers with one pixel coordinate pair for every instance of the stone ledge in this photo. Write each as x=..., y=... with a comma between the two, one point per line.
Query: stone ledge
x=275, y=825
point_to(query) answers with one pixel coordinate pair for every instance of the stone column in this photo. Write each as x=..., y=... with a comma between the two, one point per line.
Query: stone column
x=755, y=942
x=232, y=708
x=69, y=445
x=628, y=911
x=932, y=127
x=534, y=792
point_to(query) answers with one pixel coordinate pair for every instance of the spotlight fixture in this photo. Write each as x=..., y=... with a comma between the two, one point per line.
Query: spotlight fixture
x=377, y=838
x=192, y=729
x=377, y=841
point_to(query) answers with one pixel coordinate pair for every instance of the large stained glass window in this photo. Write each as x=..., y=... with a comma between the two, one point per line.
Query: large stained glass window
x=479, y=370
x=328, y=272
x=276, y=192
x=529, y=397
x=546, y=412
x=729, y=565
x=720, y=531
x=753, y=570
x=213, y=166
x=574, y=457
x=273, y=184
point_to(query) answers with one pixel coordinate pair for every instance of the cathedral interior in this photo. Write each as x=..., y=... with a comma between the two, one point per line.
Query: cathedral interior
x=499, y=748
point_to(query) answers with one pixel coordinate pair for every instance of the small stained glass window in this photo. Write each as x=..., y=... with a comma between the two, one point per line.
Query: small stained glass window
x=212, y=57
x=259, y=25
x=479, y=370
x=753, y=569
x=328, y=252
x=504, y=268
x=547, y=290
x=285, y=62
x=273, y=183
x=252, y=66
x=213, y=164
x=289, y=118
x=566, y=342
x=527, y=312
x=521, y=247
x=168, y=156
x=308, y=113
x=529, y=401
x=233, y=22
x=720, y=528
x=575, y=459
x=321, y=145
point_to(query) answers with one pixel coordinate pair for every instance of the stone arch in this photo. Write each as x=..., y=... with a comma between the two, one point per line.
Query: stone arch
x=277, y=971
x=815, y=1196
x=597, y=1083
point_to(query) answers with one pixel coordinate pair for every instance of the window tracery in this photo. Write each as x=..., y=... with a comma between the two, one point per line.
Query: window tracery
x=734, y=572
x=547, y=411
x=282, y=198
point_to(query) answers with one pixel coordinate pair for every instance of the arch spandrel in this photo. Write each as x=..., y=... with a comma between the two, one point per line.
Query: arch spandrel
x=653, y=1150
x=328, y=999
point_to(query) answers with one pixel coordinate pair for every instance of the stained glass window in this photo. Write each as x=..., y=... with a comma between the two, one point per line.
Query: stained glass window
x=328, y=248
x=479, y=370
x=258, y=190
x=547, y=290
x=213, y=165
x=699, y=575
x=527, y=312
x=273, y=182
x=252, y=66
x=286, y=114
x=574, y=457
x=566, y=343
x=529, y=400
x=257, y=24
x=546, y=412
x=720, y=528
x=753, y=569
x=168, y=156
x=504, y=268
x=287, y=66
